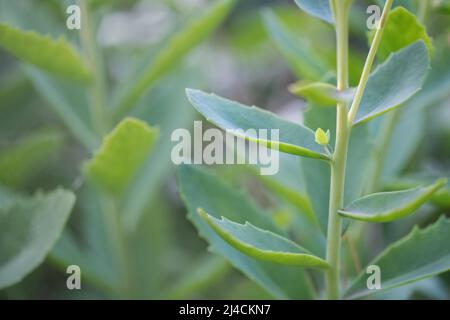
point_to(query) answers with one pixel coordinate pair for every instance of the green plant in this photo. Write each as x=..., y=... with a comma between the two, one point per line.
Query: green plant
x=113, y=177
x=339, y=185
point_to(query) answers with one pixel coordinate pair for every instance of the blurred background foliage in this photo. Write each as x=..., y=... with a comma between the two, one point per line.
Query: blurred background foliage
x=246, y=59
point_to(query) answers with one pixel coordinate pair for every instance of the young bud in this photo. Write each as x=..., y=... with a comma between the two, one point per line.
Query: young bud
x=322, y=137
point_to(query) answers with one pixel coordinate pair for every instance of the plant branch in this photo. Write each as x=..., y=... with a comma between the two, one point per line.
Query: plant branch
x=369, y=62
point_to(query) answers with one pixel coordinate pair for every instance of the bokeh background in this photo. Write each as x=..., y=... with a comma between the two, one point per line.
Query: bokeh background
x=239, y=60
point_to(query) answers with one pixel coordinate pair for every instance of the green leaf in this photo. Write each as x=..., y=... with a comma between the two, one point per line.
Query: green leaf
x=401, y=30
x=57, y=57
x=389, y=206
x=394, y=82
x=29, y=227
x=262, y=244
x=317, y=8
x=68, y=102
x=173, y=52
x=297, y=52
x=23, y=159
x=237, y=119
x=121, y=154
x=421, y=254
x=321, y=94
x=199, y=189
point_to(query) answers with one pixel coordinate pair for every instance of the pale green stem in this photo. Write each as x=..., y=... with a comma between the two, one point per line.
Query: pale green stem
x=344, y=123
x=100, y=119
x=118, y=242
x=338, y=165
x=97, y=92
x=422, y=11
x=369, y=62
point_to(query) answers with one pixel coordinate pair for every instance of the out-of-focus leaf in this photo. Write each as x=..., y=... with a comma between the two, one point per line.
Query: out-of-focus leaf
x=297, y=52
x=57, y=57
x=389, y=206
x=200, y=189
x=317, y=8
x=394, y=82
x=177, y=114
x=421, y=254
x=176, y=48
x=68, y=102
x=29, y=229
x=20, y=161
x=321, y=94
x=262, y=244
x=401, y=30
x=237, y=119
x=121, y=154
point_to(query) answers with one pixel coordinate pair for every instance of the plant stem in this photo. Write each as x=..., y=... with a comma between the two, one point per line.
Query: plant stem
x=338, y=165
x=344, y=122
x=95, y=61
x=118, y=241
x=369, y=63
x=422, y=10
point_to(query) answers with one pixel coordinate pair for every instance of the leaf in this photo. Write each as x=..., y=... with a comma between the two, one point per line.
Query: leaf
x=421, y=254
x=237, y=119
x=402, y=29
x=321, y=94
x=198, y=189
x=68, y=102
x=57, y=57
x=177, y=114
x=262, y=244
x=172, y=53
x=120, y=155
x=29, y=227
x=390, y=206
x=317, y=8
x=394, y=82
x=297, y=52
x=23, y=159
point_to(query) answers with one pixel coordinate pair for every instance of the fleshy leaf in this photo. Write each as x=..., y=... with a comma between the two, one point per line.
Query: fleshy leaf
x=29, y=227
x=389, y=206
x=57, y=57
x=262, y=244
x=321, y=94
x=303, y=61
x=401, y=30
x=121, y=154
x=176, y=48
x=421, y=254
x=317, y=8
x=394, y=82
x=199, y=189
x=237, y=119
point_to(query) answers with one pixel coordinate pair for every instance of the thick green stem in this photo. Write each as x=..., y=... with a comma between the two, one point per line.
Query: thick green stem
x=338, y=165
